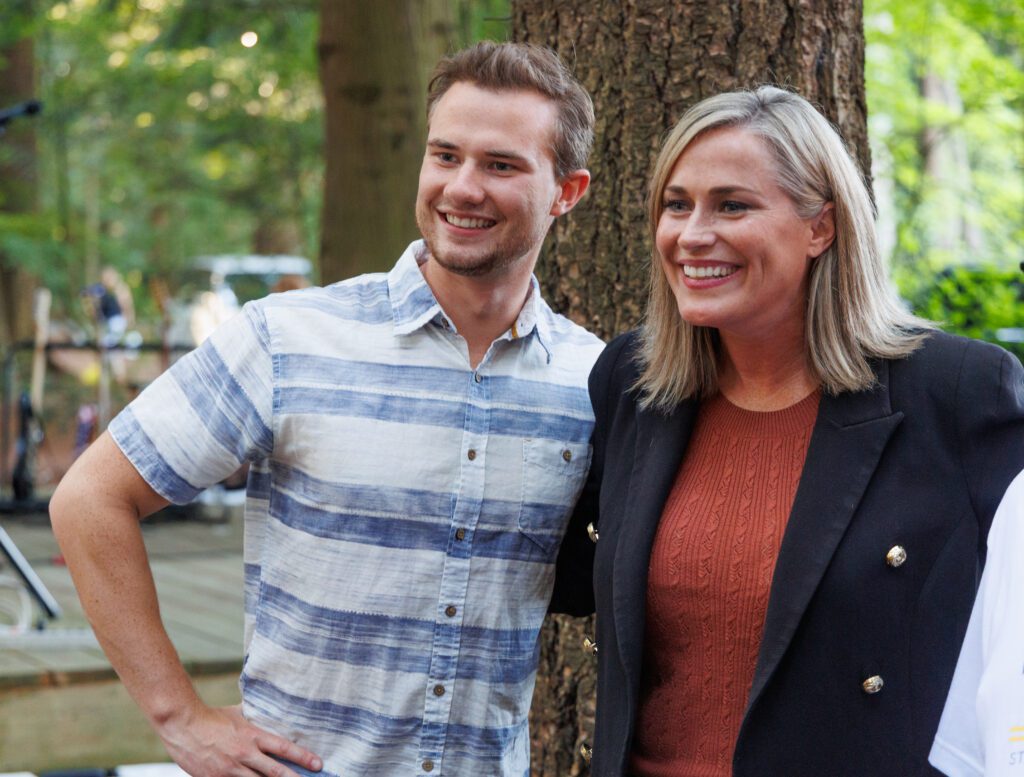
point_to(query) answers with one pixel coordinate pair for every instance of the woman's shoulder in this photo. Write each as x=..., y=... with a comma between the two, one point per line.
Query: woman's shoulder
x=942, y=351
x=620, y=360
x=959, y=377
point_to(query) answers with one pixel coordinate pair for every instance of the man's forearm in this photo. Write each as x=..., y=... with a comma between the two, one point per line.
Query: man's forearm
x=96, y=521
x=96, y=512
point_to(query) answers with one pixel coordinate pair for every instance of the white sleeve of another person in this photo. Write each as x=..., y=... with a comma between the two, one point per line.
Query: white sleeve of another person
x=981, y=733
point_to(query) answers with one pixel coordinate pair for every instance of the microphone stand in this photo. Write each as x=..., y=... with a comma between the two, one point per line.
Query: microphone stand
x=27, y=108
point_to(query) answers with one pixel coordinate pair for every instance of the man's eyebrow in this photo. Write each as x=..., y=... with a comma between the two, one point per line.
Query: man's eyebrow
x=492, y=153
x=500, y=154
x=441, y=143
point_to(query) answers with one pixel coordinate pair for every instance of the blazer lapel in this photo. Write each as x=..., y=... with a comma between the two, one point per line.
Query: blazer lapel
x=660, y=443
x=849, y=437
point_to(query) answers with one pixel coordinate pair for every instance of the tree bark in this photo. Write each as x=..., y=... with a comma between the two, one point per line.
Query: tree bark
x=645, y=62
x=18, y=187
x=375, y=59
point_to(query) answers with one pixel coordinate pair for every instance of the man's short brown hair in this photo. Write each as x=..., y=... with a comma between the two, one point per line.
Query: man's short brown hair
x=500, y=66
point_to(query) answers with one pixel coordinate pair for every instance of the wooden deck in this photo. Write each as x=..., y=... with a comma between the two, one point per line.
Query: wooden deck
x=61, y=705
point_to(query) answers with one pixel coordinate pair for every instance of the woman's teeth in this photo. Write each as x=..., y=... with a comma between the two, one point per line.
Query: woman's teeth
x=717, y=271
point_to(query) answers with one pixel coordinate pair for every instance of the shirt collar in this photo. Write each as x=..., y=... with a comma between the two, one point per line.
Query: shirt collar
x=413, y=304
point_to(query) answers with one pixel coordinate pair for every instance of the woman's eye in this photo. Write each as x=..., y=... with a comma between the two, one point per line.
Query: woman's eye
x=676, y=206
x=731, y=206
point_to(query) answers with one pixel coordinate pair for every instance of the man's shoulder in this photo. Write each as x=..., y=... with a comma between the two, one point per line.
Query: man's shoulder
x=565, y=333
x=364, y=299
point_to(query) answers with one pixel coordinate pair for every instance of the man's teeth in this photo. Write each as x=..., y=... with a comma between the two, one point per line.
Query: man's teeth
x=467, y=223
x=717, y=271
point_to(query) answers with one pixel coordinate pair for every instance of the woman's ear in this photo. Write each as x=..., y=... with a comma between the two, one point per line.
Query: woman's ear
x=823, y=231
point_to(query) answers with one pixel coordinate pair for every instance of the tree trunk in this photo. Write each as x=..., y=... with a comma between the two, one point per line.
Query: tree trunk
x=18, y=187
x=375, y=59
x=644, y=63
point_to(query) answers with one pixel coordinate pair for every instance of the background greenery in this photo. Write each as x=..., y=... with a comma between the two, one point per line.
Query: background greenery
x=164, y=137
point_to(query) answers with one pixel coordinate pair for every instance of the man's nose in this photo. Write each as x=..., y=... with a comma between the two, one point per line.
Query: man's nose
x=465, y=185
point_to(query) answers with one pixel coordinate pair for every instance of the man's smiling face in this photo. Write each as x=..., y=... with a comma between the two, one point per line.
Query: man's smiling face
x=487, y=190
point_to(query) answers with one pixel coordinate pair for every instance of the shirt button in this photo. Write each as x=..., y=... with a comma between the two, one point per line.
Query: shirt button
x=478, y=377
x=450, y=611
x=896, y=556
x=428, y=765
x=567, y=455
x=439, y=690
x=471, y=455
x=460, y=534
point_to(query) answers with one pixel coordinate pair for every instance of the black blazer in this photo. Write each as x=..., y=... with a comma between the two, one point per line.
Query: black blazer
x=921, y=461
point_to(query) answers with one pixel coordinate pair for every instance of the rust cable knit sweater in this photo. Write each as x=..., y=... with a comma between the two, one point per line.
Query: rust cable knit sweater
x=707, y=590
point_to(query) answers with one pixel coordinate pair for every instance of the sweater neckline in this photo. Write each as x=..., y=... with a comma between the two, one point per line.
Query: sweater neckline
x=732, y=419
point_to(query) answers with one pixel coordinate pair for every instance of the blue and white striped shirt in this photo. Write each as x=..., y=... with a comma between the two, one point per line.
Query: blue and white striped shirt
x=403, y=512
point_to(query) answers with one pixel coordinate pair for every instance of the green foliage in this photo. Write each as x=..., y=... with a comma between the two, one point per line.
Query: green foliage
x=28, y=236
x=985, y=302
x=484, y=20
x=165, y=137
x=945, y=86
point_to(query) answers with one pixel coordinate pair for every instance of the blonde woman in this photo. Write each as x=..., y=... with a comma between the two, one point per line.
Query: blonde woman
x=796, y=476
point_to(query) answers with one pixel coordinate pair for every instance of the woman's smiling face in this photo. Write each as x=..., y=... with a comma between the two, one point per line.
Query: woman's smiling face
x=733, y=248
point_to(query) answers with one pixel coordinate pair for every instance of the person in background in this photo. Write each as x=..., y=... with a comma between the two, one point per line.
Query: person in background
x=981, y=733
x=796, y=476
x=418, y=440
x=111, y=306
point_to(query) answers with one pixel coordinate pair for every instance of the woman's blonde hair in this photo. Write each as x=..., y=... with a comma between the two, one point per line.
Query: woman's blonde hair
x=853, y=312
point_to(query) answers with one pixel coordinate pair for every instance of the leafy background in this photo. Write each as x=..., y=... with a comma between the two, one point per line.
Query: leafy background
x=165, y=137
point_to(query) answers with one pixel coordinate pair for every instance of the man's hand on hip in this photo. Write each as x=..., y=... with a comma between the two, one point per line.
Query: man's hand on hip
x=219, y=742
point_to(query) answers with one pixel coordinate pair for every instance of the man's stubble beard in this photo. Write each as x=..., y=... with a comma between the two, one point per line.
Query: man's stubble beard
x=512, y=248
x=479, y=267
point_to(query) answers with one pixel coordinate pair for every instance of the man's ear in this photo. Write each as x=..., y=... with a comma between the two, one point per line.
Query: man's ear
x=570, y=191
x=823, y=231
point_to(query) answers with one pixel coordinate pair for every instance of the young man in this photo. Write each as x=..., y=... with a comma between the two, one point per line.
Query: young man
x=417, y=440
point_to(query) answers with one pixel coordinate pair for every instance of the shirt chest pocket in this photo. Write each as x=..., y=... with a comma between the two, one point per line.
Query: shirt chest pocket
x=553, y=476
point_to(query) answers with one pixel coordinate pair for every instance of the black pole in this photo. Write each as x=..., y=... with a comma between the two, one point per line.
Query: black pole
x=27, y=108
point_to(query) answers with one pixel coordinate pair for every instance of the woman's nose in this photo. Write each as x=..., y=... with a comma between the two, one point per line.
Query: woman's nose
x=696, y=231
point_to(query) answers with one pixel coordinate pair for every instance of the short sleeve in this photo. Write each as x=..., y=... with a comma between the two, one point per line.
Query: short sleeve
x=211, y=411
x=957, y=750
x=982, y=726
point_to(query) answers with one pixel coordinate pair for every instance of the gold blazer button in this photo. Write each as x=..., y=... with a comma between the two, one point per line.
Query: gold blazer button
x=896, y=556
x=873, y=684
x=587, y=752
